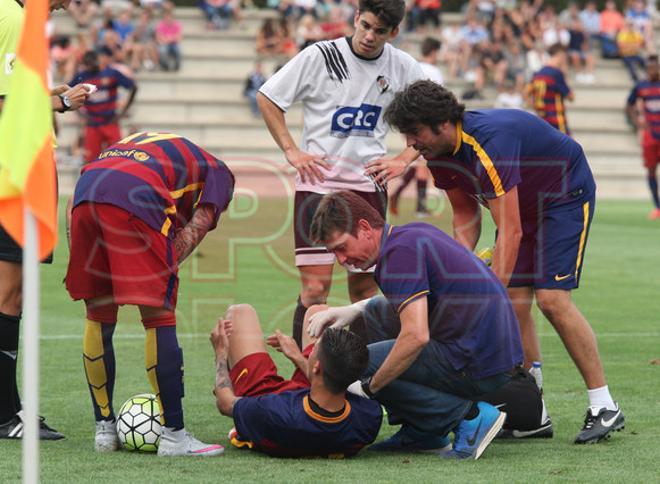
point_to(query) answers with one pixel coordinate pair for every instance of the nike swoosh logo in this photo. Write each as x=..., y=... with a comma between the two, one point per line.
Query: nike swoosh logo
x=10, y=354
x=473, y=439
x=241, y=375
x=608, y=423
x=525, y=433
x=561, y=278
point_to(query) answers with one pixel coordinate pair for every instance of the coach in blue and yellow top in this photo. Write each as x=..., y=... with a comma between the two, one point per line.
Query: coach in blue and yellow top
x=538, y=186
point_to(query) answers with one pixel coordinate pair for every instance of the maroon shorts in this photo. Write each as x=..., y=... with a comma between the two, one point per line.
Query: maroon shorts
x=98, y=138
x=651, y=150
x=256, y=374
x=114, y=253
x=307, y=253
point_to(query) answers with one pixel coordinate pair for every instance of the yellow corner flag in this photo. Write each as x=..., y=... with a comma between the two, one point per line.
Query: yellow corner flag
x=27, y=165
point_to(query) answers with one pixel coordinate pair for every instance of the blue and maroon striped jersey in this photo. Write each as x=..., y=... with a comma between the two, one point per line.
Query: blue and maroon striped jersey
x=548, y=88
x=158, y=177
x=288, y=425
x=649, y=93
x=498, y=149
x=101, y=106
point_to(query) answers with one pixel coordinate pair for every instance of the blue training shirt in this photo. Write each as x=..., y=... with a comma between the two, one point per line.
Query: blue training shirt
x=498, y=149
x=470, y=313
x=286, y=425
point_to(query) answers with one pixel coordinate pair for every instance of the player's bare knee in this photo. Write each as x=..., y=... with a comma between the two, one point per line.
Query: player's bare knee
x=552, y=304
x=11, y=302
x=314, y=292
x=11, y=298
x=240, y=311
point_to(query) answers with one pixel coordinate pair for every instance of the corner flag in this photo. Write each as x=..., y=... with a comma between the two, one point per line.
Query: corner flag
x=27, y=167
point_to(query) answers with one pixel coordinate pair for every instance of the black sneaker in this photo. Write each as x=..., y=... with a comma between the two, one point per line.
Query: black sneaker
x=545, y=431
x=14, y=429
x=599, y=424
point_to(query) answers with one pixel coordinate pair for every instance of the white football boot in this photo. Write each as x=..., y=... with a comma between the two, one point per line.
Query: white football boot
x=181, y=442
x=106, y=439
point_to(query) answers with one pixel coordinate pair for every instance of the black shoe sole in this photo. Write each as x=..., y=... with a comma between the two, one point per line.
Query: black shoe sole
x=601, y=438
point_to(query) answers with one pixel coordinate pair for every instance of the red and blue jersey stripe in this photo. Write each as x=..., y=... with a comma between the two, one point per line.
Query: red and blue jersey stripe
x=158, y=177
x=649, y=93
x=548, y=89
x=101, y=106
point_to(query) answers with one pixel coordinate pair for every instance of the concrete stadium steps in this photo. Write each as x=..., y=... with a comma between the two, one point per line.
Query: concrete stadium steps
x=227, y=113
x=182, y=90
x=192, y=20
x=219, y=43
x=597, y=118
x=227, y=67
x=598, y=141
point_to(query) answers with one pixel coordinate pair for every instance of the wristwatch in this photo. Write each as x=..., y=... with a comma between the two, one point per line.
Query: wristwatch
x=365, y=387
x=66, y=102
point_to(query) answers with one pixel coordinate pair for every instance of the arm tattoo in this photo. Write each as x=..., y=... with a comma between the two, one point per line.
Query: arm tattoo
x=222, y=379
x=194, y=231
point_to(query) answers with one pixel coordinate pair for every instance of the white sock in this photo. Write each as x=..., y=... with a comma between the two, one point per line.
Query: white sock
x=600, y=397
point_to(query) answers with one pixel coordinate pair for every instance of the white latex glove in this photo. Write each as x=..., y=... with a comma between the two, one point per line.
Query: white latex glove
x=335, y=317
x=356, y=389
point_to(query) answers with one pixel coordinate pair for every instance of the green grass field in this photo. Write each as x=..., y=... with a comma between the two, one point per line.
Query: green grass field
x=248, y=259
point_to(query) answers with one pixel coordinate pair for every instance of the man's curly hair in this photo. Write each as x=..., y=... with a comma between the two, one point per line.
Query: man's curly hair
x=423, y=102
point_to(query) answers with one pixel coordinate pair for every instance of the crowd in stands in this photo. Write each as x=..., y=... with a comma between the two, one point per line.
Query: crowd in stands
x=144, y=36
x=500, y=43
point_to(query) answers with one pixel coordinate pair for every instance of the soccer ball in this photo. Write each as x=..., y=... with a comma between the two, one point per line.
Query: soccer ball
x=138, y=423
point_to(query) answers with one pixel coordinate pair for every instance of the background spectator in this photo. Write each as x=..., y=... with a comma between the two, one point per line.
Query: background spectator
x=269, y=38
x=641, y=20
x=429, y=49
x=335, y=24
x=579, y=52
x=590, y=18
x=510, y=97
x=288, y=43
x=630, y=42
x=83, y=12
x=451, y=52
x=123, y=25
x=168, y=37
x=516, y=65
x=219, y=13
x=611, y=22
x=423, y=12
x=254, y=81
x=61, y=53
x=144, y=52
x=308, y=32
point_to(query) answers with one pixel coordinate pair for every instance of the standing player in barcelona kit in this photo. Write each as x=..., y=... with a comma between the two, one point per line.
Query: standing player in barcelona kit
x=537, y=184
x=138, y=211
x=643, y=108
x=345, y=86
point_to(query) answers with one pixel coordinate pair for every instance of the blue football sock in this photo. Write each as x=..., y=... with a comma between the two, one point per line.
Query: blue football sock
x=653, y=186
x=164, y=360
